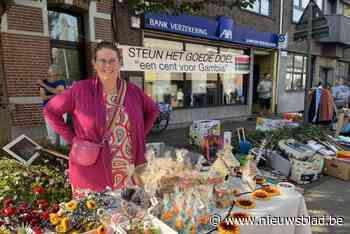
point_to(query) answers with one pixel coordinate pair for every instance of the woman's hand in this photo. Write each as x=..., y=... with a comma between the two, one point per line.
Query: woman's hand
x=137, y=180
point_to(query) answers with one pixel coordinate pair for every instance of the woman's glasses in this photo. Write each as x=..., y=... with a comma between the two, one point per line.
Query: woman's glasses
x=105, y=62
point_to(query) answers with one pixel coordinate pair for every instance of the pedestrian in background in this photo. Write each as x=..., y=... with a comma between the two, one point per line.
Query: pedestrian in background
x=265, y=92
x=341, y=94
x=49, y=87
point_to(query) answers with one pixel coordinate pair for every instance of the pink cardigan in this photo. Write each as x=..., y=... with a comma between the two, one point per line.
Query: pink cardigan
x=85, y=102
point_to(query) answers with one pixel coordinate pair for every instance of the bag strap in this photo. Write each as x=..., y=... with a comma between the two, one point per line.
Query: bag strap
x=119, y=102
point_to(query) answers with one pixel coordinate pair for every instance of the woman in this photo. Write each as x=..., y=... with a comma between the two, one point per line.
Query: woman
x=93, y=104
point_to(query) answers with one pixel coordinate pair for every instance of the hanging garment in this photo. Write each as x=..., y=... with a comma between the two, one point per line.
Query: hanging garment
x=326, y=107
x=312, y=105
x=318, y=92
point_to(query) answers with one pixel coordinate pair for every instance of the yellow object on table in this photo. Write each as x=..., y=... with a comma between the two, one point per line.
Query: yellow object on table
x=343, y=154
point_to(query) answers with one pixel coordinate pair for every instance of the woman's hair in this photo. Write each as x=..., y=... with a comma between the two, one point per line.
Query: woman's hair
x=108, y=45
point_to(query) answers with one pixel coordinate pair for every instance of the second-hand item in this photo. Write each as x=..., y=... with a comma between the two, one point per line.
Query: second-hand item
x=304, y=172
x=249, y=172
x=321, y=149
x=201, y=128
x=244, y=144
x=295, y=149
x=265, y=124
x=343, y=154
x=292, y=116
x=338, y=168
x=211, y=145
x=278, y=162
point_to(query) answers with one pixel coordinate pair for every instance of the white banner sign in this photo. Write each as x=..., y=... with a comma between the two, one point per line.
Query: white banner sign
x=163, y=60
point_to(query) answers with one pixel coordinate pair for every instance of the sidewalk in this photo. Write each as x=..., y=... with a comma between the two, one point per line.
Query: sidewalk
x=328, y=196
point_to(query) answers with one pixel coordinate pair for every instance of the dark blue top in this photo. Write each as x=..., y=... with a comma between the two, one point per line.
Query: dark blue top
x=54, y=84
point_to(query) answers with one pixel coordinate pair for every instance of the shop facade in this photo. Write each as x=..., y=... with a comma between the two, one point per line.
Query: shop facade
x=36, y=34
x=196, y=96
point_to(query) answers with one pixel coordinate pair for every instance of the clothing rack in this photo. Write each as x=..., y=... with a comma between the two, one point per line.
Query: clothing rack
x=321, y=108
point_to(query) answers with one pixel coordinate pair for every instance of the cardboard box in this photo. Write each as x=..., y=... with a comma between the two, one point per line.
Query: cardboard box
x=338, y=168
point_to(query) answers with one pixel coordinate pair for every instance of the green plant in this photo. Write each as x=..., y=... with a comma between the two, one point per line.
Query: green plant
x=301, y=133
x=29, y=193
x=180, y=6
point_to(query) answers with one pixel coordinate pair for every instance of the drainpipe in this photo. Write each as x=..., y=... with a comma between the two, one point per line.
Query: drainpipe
x=280, y=31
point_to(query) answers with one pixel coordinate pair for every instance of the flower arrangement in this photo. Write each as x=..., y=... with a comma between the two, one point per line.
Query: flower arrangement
x=17, y=215
x=29, y=194
x=83, y=215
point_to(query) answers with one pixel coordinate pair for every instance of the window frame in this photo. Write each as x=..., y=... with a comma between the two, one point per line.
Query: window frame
x=259, y=13
x=79, y=45
x=296, y=7
x=292, y=72
x=300, y=8
x=346, y=75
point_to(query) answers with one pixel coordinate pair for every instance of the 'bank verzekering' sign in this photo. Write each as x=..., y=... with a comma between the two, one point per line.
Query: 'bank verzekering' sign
x=163, y=60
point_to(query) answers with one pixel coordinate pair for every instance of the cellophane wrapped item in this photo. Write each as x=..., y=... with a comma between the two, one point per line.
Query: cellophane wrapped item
x=249, y=170
x=165, y=172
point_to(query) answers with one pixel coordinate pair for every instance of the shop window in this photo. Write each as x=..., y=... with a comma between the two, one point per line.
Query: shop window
x=233, y=91
x=262, y=7
x=296, y=72
x=67, y=38
x=164, y=86
x=201, y=88
x=346, y=10
x=194, y=89
x=343, y=71
x=300, y=5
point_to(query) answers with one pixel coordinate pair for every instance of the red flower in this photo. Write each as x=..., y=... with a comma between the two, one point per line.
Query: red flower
x=8, y=202
x=54, y=207
x=9, y=211
x=38, y=190
x=34, y=221
x=45, y=215
x=27, y=217
x=37, y=230
x=42, y=203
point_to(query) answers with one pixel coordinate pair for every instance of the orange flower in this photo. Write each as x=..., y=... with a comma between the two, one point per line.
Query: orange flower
x=245, y=203
x=240, y=216
x=261, y=195
x=223, y=228
x=271, y=190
